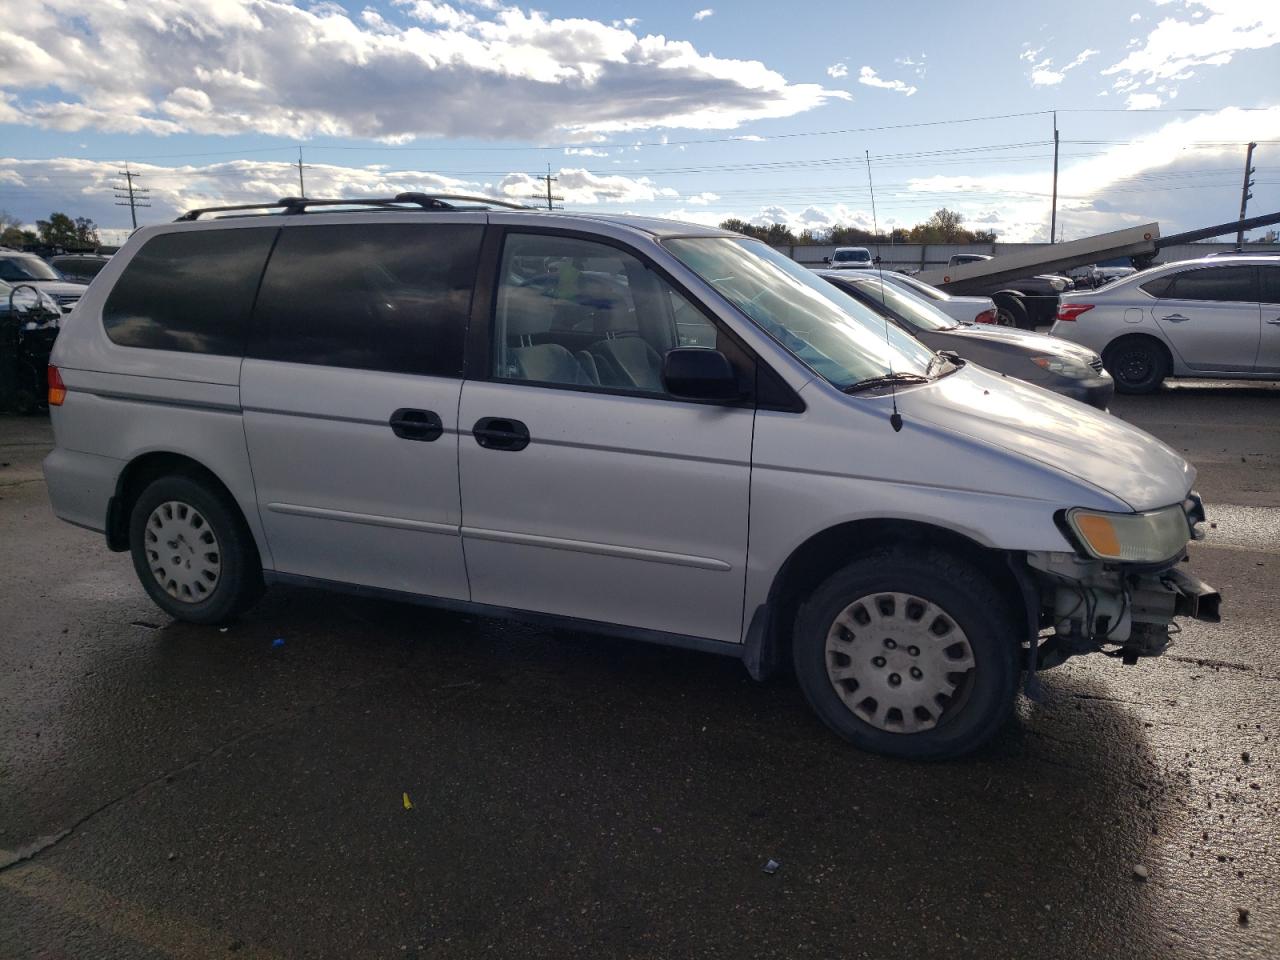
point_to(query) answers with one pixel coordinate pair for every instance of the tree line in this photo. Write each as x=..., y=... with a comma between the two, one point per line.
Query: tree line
x=945, y=226
x=59, y=231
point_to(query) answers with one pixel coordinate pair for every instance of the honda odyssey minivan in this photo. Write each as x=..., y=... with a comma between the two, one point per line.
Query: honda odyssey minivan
x=632, y=426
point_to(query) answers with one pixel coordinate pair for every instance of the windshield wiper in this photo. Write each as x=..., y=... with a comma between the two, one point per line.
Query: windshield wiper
x=884, y=381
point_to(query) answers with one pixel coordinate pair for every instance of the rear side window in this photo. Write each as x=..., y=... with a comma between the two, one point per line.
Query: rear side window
x=1231, y=284
x=386, y=296
x=189, y=291
x=1270, y=284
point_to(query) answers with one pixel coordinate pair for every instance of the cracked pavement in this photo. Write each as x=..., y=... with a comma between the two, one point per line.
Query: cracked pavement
x=175, y=791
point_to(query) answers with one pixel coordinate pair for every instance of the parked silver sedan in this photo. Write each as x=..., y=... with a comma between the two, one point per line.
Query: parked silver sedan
x=1064, y=368
x=1214, y=317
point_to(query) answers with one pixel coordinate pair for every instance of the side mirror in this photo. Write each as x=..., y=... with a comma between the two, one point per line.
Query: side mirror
x=826, y=259
x=24, y=298
x=699, y=374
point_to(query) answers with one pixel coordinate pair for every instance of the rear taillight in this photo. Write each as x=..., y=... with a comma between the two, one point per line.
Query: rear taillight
x=57, y=389
x=1071, y=311
x=986, y=316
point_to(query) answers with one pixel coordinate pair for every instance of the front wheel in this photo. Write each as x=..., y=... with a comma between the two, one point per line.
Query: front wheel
x=193, y=551
x=910, y=653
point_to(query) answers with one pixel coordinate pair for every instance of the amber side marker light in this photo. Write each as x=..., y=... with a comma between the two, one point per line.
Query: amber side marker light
x=57, y=389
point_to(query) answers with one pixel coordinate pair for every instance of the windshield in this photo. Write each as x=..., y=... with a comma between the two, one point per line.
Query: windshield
x=853, y=256
x=828, y=330
x=26, y=268
x=911, y=308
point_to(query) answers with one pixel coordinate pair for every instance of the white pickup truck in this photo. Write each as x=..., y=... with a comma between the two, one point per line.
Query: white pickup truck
x=849, y=258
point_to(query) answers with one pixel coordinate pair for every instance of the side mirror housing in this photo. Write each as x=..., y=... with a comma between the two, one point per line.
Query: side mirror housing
x=826, y=259
x=699, y=374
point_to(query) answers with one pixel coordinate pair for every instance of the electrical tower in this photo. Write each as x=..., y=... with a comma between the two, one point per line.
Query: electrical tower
x=131, y=196
x=548, y=197
x=1245, y=195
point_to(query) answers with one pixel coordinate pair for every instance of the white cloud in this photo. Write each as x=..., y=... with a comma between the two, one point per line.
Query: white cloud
x=627, y=22
x=418, y=69
x=837, y=70
x=83, y=186
x=868, y=76
x=1177, y=48
x=704, y=13
x=1043, y=74
x=1161, y=176
x=1030, y=55
x=585, y=152
x=1135, y=18
x=702, y=199
x=1142, y=101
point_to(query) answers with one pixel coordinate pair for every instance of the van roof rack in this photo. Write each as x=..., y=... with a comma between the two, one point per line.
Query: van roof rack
x=298, y=205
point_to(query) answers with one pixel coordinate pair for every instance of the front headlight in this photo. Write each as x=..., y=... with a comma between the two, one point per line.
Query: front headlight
x=1065, y=367
x=1131, y=537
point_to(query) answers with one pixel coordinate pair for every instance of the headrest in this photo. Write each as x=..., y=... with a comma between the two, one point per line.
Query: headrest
x=528, y=311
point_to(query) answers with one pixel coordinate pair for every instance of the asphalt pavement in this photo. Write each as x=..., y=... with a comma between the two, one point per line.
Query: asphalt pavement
x=391, y=781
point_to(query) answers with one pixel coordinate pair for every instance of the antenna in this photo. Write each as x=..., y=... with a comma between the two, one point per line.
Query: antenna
x=895, y=419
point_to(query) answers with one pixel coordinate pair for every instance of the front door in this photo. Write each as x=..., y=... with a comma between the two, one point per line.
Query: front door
x=587, y=490
x=1210, y=316
x=350, y=393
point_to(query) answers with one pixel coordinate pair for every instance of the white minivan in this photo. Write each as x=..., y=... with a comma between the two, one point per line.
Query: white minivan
x=631, y=426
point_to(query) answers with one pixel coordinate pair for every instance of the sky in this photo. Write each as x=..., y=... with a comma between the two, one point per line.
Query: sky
x=763, y=111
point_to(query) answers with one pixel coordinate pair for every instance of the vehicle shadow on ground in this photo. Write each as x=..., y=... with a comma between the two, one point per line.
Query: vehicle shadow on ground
x=585, y=796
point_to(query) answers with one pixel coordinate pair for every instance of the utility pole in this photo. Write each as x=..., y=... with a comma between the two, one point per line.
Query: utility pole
x=1245, y=195
x=127, y=195
x=1053, y=216
x=551, y=199
x=302, y=189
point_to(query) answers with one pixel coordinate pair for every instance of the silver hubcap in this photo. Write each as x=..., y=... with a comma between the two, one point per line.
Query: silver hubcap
x=183, y=551
x=897, y=661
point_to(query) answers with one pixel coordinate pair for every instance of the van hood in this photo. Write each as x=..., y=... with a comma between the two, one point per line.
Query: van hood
x=56, y=288
x=1069, y=437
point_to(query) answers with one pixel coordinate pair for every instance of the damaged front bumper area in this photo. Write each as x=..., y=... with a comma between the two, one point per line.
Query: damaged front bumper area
x=1088, y=606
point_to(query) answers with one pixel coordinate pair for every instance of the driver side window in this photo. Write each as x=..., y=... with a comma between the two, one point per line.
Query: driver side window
x=575, y=312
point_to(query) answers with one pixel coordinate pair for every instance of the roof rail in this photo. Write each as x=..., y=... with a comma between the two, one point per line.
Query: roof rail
x=298, y=205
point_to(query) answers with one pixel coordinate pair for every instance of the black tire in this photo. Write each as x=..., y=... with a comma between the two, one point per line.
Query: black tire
x=238, y=576
x=983, y=695
x=1137, y=364
x=1011, y=311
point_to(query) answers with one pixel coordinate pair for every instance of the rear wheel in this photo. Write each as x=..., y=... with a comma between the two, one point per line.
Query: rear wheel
x=1138, y=364
x=911, y=653
x=193, y=551
x=1011, y=311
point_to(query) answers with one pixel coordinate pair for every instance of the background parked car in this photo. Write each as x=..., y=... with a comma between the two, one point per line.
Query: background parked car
x=19, y=267
x=849, y=258
x=1064, y=368
x=79, y=267
x=960, y=309
x=1027, y=302
x=1214, y=317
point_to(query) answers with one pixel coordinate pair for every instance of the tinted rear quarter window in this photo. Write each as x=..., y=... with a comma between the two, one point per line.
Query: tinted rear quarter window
x=391, y=297
x=189, y=291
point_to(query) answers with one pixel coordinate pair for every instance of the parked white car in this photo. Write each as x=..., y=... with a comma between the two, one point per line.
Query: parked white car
x=1214, y=317
x=959, y=309
x=392, y=400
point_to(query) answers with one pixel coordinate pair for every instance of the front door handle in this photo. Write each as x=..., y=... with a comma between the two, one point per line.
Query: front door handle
x=409, y=424
x=1275, y=322
x=501, y=433
x=1176, y=318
